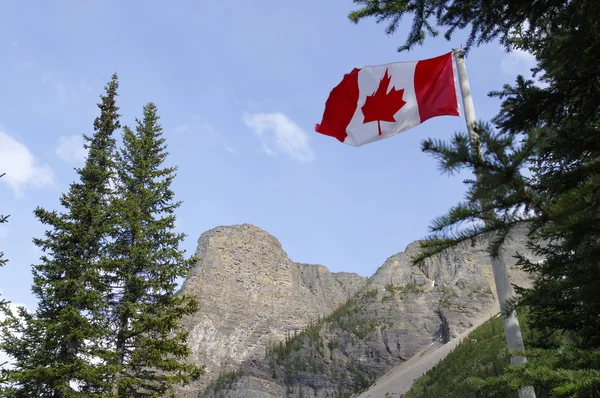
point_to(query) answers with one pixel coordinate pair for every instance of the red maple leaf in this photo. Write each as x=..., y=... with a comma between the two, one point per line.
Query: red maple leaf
x=381, y=105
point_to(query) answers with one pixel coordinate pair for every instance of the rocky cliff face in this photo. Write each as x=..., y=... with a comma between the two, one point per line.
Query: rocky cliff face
x=251, y=296
x=271, y=327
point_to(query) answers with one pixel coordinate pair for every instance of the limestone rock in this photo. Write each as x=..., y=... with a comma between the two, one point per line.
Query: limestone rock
x=259, y=313
x=252, y=295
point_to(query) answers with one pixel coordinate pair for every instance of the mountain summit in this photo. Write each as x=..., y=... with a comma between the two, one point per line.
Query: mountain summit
x=271, y=327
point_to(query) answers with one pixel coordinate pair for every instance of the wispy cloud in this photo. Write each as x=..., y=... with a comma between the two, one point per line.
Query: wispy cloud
x=64, y=91
x=517, y=62
x=71, y=150
x=182, y=128
x=205, y=130
x=209, y=131
x=248, y=104
x=35, y=253
x=22, y=168
x=280, y=135
x=178, y=223
x=4, y=231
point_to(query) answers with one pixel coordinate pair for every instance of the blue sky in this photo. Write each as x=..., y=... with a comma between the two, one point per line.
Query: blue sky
x=213, y=68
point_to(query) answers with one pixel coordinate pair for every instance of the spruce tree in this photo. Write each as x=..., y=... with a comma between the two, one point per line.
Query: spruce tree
x=150, y=349
x=553, y=131
x=58, y=349
x=487, y=20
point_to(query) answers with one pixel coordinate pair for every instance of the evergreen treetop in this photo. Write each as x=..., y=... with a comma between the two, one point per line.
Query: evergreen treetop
x=56, y=349
x=108, y=318
x=150, y=348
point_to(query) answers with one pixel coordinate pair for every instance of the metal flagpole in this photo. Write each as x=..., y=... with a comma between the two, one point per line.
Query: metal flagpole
x=512, y=330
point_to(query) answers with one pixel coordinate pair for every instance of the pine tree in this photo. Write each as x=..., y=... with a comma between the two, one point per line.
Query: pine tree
x=488, y=20
x=55, y=347
x=150, y=347
x=553, y=131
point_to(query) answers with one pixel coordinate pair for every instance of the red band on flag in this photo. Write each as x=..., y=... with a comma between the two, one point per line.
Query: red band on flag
x=435, y=87
x=340, y=107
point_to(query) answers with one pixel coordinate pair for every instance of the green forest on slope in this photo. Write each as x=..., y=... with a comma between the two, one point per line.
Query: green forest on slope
x=309, y=352
x=316, y=354
x=482, y=354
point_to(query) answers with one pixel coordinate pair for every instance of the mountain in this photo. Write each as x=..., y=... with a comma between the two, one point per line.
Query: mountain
x=252, y=295
x=271, y=327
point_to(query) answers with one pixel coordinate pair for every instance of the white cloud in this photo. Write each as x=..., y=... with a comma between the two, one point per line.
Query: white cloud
x=35, y=252
x=22, y=169
x=182, y=128
x=266, y=149
x=3, y=233
x=64, y=91
x=71, y=150
x=178, y=223
x=279, y=134
x=206, y=130
x=248, y=104
x=517, y=62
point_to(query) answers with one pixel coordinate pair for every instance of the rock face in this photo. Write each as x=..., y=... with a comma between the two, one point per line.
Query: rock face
x=251, y=296
x=271, y=327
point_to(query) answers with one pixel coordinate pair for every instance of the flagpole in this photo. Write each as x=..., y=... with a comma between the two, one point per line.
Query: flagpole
x=512, y=329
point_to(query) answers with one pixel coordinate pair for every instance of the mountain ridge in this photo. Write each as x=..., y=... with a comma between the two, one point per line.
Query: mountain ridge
x=254, y=300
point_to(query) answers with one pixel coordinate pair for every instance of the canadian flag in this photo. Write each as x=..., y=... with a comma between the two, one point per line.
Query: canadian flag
x=377, y=102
